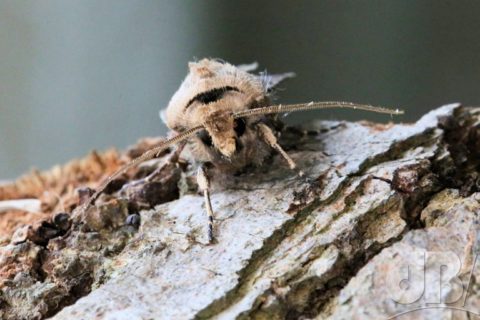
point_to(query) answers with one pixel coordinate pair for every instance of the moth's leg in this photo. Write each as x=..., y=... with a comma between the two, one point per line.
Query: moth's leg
x=269, y=137
x=172, y=159
x=204, y=185
x=176, y=153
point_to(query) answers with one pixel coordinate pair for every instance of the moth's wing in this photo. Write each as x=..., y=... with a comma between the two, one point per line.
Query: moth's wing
x=248, y=67
x=271, y=81
x=162, y=115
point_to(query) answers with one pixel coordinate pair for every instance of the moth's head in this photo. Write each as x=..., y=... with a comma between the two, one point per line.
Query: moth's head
x=209, y=87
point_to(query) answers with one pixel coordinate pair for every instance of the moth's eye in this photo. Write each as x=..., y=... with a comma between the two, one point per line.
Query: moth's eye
x=240, y=126
x=211, y=95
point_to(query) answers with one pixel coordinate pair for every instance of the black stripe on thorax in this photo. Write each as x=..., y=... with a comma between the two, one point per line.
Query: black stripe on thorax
x=211, y=95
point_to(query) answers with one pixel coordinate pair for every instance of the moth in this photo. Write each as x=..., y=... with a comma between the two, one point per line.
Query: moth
x=224, y=115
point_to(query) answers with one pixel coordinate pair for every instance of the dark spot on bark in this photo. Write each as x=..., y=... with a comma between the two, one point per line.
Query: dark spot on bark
x=42, y=232
x=115, y=185
x=133, y=220
x=62, y=221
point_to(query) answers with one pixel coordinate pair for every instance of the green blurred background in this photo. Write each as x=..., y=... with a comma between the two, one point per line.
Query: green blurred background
x=82, y=75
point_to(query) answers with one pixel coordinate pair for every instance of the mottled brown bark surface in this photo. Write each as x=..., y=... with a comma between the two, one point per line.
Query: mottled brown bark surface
x=380, y=199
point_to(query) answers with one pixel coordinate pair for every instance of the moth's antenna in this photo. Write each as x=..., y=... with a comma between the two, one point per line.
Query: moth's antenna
x=314, y=106
x=150, y=154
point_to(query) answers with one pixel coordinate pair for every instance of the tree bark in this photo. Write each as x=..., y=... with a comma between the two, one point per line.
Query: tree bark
x=380, y=204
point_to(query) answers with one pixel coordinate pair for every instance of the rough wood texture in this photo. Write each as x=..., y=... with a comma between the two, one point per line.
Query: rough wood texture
x=378, y=197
